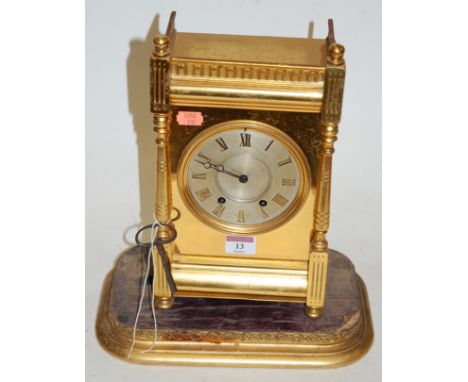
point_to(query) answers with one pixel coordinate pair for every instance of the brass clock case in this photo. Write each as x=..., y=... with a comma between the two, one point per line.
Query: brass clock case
x=304, y=177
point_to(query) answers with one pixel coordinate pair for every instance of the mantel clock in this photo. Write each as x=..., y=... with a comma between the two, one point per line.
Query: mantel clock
x=245, y=128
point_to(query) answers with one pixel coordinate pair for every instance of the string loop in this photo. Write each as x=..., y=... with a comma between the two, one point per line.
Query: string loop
x=156, y=241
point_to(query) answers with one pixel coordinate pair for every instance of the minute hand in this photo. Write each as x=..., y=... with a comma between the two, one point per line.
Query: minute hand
x=220, y=168
x=217, y=167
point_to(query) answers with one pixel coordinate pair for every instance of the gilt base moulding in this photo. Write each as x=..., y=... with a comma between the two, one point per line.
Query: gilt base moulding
x=222, y=332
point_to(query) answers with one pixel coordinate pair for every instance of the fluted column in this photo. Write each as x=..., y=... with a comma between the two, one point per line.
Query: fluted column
x=330, y=117
x=160, y=62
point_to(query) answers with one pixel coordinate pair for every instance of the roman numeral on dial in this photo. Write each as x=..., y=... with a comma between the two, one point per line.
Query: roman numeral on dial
x=284, y=162
x=241, y=216
x=199, y=176
x=288, y=182
x=245, y=140
x=203, y=194
x=220, y=141
x=280, y=199
x=264, y=213
x=269, y=144
x=218, y=211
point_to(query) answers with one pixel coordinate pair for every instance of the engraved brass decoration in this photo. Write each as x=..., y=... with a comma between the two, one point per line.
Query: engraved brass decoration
x=246, y=72
x=295, y=85
x=303, y=128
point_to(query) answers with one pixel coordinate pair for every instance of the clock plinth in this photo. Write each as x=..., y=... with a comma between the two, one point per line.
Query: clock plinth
x=230, y=332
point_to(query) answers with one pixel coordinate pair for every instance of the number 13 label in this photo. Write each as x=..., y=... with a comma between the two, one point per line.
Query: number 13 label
x=244, y=245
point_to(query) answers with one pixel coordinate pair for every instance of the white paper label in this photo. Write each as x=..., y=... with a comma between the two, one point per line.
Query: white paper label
x=244, y=245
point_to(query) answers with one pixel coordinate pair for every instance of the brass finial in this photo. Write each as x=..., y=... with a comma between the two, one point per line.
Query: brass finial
x=161, y=45
x=335, y=54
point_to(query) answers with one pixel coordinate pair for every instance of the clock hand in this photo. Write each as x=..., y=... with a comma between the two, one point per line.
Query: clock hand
x=220, y=168
x=204, y=163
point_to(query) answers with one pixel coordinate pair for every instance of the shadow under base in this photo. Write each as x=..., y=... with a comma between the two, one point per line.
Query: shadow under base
x=221, y=332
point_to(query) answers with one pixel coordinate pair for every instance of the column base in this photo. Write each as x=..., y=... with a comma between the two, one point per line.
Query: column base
x=164, y=302
x=313, y=312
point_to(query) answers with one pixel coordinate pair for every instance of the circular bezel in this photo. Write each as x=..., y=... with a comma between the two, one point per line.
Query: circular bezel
x=194, y=206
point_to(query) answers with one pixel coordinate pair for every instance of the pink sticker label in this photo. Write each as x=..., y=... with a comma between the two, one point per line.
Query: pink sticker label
x=189, y=118
x=245, y=239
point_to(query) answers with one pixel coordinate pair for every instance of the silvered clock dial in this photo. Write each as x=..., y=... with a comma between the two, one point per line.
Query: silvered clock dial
x=243, y=176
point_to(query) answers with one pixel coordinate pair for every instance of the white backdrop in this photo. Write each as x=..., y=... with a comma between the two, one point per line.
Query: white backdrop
x=119, y=141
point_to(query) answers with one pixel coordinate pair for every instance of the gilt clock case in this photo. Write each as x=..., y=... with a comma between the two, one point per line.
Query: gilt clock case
x=292, y=87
